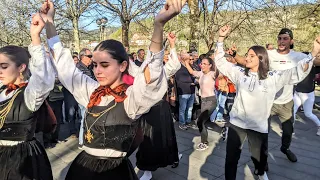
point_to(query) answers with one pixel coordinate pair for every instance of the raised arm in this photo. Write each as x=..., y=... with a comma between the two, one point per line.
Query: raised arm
x=42, y=77
x=297, y=74
x=228, y=69
x=142, y=95
x=171, y=67
x=77, y=83
x=173, y=64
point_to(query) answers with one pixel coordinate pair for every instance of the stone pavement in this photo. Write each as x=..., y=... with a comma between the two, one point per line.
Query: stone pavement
x=209, y=164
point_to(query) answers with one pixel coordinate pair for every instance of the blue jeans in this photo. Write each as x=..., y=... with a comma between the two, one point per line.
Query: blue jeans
x=218, y=112
x=82, y=110
x=185, y=108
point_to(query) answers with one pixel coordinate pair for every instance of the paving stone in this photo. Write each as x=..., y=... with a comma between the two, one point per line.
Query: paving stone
x=210, y=164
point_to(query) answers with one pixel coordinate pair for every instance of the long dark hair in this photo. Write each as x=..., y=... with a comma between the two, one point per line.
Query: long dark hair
x=116, y=50
x=263, y=69
x=19, y=56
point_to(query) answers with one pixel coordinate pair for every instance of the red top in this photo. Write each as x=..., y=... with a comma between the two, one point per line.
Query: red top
x=128, y=79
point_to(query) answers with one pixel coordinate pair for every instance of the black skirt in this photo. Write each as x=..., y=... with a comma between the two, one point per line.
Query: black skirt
x=88, y=167
x=25, y=161
x=159, y=147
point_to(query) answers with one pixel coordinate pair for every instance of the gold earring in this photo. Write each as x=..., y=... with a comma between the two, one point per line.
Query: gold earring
x=21, y=76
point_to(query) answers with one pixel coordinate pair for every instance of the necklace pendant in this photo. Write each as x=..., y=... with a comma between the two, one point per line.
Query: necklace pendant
x=89, y=136
x=95, y=115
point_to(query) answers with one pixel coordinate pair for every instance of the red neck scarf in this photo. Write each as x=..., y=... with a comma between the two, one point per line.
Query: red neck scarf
x=11, y=87
x=119, y=93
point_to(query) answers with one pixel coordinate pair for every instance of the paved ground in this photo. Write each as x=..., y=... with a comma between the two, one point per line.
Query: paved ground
x=209, y=164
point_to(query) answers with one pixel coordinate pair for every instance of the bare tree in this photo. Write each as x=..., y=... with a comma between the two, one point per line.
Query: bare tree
x=128, y=10
x=194, y=24
x=73, y=10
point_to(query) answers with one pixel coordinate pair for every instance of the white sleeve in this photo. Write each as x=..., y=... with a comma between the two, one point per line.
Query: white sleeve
x=42, y=78
x=78, y=84
x=142, y=96
x=294, y=75
x=173, y=64
x=228, y=69
x=133, y=69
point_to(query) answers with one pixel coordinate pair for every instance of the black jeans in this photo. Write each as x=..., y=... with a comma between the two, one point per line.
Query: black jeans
x=56, y=107
x=71, y=109
x=208, y=104
x=258, y=144
x=285, y=114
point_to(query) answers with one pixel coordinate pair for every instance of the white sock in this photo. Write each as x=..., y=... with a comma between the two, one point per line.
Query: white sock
x=180, y=156
x=147, y=175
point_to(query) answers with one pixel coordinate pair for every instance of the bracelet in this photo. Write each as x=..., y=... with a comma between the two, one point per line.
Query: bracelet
x=155, y=41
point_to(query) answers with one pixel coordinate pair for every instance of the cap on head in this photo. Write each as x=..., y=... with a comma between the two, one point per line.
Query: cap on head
x=286, y=31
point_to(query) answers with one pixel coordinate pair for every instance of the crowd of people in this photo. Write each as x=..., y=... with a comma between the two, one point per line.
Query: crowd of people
x=118, y=102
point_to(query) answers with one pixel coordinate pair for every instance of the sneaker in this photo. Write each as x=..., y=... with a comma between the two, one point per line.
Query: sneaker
x=263, y=177
x=80, y=146
x=292, y=157
x=191, y=125
x=183, y=126
x=318, y=133
x=202, y=147
x=221, y=122
x=224, y=134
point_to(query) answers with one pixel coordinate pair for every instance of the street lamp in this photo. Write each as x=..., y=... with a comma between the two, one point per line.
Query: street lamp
x=102, y=24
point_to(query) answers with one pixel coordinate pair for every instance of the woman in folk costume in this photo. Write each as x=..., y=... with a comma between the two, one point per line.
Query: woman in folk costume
x=112, y=107
x=159, y=146
x=21, y=155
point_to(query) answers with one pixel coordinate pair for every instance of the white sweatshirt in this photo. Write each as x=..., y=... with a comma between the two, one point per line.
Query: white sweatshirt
x=254, y=98
x=284, y=62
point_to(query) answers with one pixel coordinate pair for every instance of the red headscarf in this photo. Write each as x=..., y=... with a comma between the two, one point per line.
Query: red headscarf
x=119, y=93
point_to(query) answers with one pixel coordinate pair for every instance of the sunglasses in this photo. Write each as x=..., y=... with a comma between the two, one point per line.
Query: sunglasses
x=89, y=56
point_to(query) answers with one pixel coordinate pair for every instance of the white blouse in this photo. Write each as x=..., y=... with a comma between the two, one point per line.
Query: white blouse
x=41, y=81
x=140, y=96
x=255, y=97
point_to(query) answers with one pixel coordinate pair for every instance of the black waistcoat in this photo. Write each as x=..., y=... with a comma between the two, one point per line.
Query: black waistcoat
x=20, y=123
x=113, y=130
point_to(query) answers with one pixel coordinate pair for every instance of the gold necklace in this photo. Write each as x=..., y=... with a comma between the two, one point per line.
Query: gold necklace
x=89, y=136
x=102, y=112
x=5, y=111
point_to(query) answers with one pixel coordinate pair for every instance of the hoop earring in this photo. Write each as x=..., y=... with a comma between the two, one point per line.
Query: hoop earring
x=21, y=76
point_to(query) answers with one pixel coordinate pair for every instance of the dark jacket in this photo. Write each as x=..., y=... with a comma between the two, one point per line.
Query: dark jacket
x=86, y=70
x=185, y=81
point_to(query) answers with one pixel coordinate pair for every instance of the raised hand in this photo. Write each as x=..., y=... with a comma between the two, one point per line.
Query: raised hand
x=316, y=47
x=172, y=39
x=37, y=24
x=47, y=11
x=170, y=10
x=224, y=30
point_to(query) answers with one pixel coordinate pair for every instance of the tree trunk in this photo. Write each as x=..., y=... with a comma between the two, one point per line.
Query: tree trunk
x=125, y=33
x=194, y=25
x=76, y=34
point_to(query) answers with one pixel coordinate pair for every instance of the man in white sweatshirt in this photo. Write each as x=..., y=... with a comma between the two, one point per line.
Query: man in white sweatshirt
x=285, y=58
